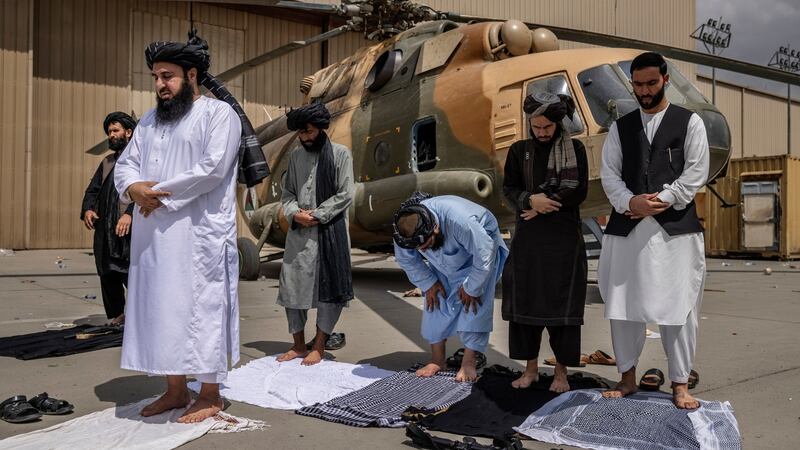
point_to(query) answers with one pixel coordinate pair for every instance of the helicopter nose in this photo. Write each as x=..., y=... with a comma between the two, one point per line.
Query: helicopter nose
x=719, y=139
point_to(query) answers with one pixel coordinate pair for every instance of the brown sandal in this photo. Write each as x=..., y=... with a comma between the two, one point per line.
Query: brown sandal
x=602, y=358
x=551, y=361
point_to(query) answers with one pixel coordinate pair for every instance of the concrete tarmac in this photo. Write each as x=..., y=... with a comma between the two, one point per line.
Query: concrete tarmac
x=748, y=350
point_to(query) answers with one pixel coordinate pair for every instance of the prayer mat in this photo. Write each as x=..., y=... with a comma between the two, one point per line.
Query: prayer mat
x=381, y=404
x=646, y=421
x=494, y=407
x=52, y=343
x=268, y=383
x=123, y=427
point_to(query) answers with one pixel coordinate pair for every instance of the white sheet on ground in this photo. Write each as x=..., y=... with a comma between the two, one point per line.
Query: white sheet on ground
x=289, y=385
x=123, y=427
x=650, y=421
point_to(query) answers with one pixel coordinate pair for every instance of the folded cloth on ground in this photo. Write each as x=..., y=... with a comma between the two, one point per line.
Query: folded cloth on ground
x=60, y=342
x=123, y=427
x=641, y=421
x=268, y=383
x=382, y=403
x=494, y=407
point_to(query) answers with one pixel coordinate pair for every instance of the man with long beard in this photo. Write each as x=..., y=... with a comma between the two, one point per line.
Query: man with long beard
x=652, y=264
x=317, y=191
x=110, y=220
x=180, y=169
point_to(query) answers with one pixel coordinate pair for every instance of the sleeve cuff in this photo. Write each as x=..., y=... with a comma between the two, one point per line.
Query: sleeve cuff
x=427, y=283
x=624, y=204
x=667, y=196
x=168, y=203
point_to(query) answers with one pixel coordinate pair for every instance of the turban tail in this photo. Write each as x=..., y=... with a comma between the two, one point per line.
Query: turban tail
x=424, y=227
x=120, y=117
x=253, y=166
x=315, y=114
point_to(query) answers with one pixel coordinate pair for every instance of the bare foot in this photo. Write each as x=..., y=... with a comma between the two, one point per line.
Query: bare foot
x=625, y=387
x=201, y=410
x=430, y=369
x=525, y=380
x=119, y=320
x=560, y=383
x=682, y=398
x=313, y=357
x=468, y=371
x=166, y=402
x=292, y=354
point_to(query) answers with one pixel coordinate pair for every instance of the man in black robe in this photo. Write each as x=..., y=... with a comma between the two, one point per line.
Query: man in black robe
x=544, y=283
x=111, y=222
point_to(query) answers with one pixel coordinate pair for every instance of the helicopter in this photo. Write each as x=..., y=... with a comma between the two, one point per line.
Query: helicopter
x=436, y=103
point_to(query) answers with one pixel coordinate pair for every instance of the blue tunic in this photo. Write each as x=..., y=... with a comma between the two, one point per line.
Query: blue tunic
x=472, y=256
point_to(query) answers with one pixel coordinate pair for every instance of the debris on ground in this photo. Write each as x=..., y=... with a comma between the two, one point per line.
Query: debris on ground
x=6, y=252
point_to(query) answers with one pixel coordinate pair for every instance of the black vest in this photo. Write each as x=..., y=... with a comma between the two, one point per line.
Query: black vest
x=647, y=167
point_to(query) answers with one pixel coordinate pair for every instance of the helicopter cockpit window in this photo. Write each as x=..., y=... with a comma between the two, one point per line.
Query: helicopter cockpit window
x=607, y=94
x=556, y=85
x=423, y=145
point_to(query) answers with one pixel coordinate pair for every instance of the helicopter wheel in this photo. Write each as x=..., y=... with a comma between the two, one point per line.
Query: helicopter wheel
x=249, y=260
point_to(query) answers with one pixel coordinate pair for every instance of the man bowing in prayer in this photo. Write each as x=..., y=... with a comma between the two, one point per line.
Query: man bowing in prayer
x=652, y=264
x=180, y=168
x=110, y=220
x=318, y=190
x=452, y=250
x=544, y=284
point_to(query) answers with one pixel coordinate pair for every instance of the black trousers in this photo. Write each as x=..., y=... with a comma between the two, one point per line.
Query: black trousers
x=524, y=342
x=113, y=285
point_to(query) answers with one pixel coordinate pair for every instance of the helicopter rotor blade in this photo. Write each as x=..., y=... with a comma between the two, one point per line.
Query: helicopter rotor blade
x=278, y=52
x=310, y=7
x=691, y=56
x=99, y=148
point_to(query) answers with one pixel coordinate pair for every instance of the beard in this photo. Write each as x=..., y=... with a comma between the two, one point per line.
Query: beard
x=316, y=144
x=654, y=100
x=117, y=144
x=173, y=109
x=438, y=241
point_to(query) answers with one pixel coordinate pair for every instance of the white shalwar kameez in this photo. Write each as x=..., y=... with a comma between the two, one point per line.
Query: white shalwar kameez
x=650, y=276
x=182, y=314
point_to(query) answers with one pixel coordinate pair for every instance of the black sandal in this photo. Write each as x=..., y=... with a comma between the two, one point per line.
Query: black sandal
x=51, y=406
x=652, y=380
x=335, y=342
x=694, y=379
x=455, y=360
x=17, y=410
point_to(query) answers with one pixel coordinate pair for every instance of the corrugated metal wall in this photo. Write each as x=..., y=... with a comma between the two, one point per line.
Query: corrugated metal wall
x=757, y=120
x=15, y=78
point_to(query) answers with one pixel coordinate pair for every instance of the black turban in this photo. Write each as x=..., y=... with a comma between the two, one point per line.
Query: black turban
x=425, y=224
x=191, y=54
x=120, y=117
x=315, y=114
x=554, y=107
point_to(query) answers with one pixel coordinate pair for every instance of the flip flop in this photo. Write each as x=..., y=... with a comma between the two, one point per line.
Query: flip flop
x=551, y=361
x=652, y=380
x=335, y=342
x=455, y=360
x=602, y=358
x=694, y=379
x=51, y=406
x=17, y=410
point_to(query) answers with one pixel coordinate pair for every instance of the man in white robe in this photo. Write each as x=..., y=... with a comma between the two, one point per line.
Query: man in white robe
x=652, y=263
x=180, y=169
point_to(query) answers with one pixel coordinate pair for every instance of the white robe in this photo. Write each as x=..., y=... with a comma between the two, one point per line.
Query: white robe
x=182, y=312
x=650, y=276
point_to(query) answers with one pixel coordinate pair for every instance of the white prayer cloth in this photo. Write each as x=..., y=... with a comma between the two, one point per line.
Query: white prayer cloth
x=583, y=418
x=650, y=276
x=268, y=383
x=123, y=427
x=182, y=314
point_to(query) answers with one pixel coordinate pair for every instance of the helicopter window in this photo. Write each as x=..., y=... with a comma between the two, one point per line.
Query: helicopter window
x=556, y=85
x=423, y=145
x=607, y=95
x=382, y=154
x=719, y=135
